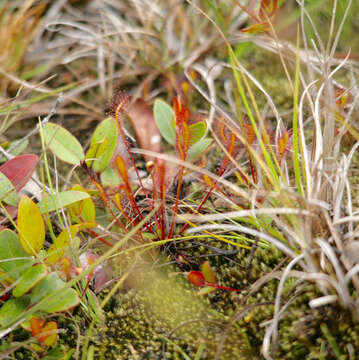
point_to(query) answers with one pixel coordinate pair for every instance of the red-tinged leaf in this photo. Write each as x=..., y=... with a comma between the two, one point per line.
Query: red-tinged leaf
x=208, y=273
x=20, y=169
x=268, y=9
x=196, y=278
x=257, y=28
x=144, y=124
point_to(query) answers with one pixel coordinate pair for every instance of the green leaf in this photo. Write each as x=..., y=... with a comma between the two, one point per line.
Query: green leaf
x=7, y=191
x=61, y=243
x=13, y=258
x=46, y=286
x=198, y=148
x=164, y=118
x=58, y=354
x=83, y=210
x=31, y=226
x=110, y=177
x=208, y=273
x=63, y=144
x=30, y=278
x=61, y=199
x=196, y=132
x=12, y=309
x=65, y=300
x=103, y=144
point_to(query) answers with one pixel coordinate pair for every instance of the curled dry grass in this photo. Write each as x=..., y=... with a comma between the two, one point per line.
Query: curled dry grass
x=308, y=197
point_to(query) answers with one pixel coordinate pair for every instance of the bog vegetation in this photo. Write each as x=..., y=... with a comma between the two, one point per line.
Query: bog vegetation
x=178, y=179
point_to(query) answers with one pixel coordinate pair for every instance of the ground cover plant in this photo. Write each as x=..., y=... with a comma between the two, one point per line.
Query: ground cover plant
x=178, y=180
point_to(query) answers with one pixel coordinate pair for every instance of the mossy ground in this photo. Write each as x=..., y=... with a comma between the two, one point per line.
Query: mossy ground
x=157, y=315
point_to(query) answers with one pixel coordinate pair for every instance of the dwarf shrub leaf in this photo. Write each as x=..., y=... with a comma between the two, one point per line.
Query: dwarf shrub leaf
x=164, y=118
x=29, y=279
x=12, y=309
x=61, y=199
x=14, y=259
x=103, y=145
x=63, y=144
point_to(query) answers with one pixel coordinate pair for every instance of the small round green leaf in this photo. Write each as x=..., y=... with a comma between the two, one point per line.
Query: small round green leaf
x=29, y=279
x=164, y=118
x=63, y=144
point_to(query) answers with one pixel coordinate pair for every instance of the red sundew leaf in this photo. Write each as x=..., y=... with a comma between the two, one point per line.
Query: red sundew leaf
x=342, y=97
x=144, y=124
x=268, y=9
x=250, y=134
x=196, y=278
x=20, y=169
x=118, y=104
x=283, y=144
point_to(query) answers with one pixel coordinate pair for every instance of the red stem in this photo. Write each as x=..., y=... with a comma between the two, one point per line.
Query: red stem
x=221, y=287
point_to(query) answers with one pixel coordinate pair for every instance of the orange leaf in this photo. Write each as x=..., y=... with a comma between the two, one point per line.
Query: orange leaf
x=46, y=334
x=196, y=278
x=121, y=167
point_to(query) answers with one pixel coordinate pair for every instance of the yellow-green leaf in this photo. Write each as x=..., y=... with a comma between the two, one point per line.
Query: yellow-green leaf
x=208, y=273
x=31, y=226
x=83, y=210
x=103, y=145
x=196, y=132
